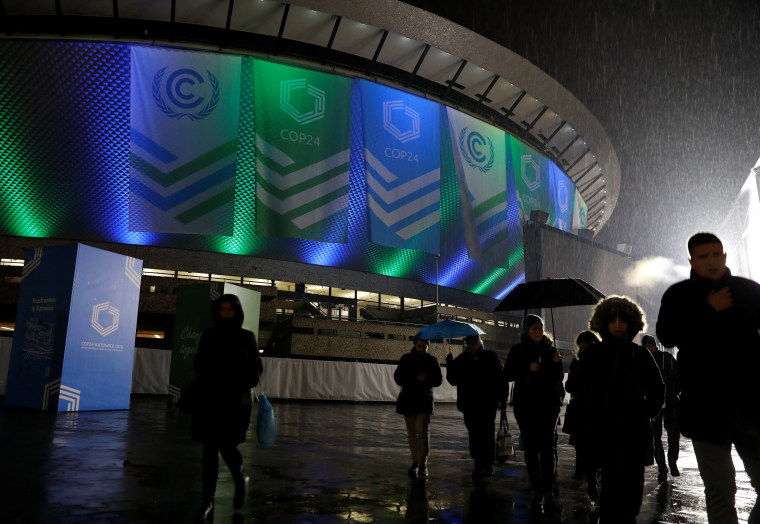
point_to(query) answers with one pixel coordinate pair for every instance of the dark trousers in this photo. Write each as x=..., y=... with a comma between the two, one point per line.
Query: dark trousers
x=622, y=486
x=481, y=427
x=538, y=432
x=210, y=466
x=670, y=418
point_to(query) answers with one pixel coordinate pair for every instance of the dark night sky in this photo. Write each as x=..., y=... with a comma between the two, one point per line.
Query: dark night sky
x=676, y=85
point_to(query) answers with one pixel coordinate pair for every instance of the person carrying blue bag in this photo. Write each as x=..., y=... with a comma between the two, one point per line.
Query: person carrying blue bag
x=227, y=365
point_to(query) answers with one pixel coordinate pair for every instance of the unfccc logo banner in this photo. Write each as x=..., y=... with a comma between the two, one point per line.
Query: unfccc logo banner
x=188, y=94
x=405, y=115
x=290, y=99
x=105, y=318
x=477, y=150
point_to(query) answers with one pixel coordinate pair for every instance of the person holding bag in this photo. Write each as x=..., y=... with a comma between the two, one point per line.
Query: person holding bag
x=418, y=372
x=227, y=365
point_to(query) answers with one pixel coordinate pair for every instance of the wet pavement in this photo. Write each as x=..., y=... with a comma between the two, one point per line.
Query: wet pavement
x=333, y=462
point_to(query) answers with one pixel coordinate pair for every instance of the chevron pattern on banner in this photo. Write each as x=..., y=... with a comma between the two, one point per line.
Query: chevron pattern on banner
x=131, y=273
x=51, y=390
x=187, y=190
x=305, y=196
x=71, y=396
x=32, y=264
x=408, y=208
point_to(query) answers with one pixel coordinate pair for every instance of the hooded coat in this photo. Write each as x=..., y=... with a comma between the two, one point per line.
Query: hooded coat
x=718, y=353
x=416, y=396
x=227, y=365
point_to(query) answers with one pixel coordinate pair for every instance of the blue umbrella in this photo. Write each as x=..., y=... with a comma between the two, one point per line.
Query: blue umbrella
x=449, y=329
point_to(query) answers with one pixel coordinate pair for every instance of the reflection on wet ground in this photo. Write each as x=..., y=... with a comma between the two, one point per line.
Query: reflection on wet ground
x=333, y=462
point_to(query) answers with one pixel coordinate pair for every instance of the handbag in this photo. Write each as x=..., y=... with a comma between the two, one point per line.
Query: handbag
x=505, y=449
x=266, y=429
x=571, y=417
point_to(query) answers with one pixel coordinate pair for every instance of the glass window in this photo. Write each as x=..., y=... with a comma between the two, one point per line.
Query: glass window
x=192, y=276
x=226, y=278
x=150, y=272
x=257, y=281
x=285, y=286
x=315, y=289
x=343, y=293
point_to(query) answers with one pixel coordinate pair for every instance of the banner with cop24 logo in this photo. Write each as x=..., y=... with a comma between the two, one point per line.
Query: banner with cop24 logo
x=481, y=169
x=531, y=179
x=563, y=191
x=302, y=122
x=403, y=168
x=183, y=141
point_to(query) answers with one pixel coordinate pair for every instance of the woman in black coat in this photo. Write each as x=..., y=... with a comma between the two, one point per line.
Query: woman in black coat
x=418, y=372
x=535, y=366
x=227, y=367
x=623, y=390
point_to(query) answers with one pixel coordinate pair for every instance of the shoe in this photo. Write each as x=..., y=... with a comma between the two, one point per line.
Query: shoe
x=535, y=506
x=662, y=476
x=550, y=503
x=477, y=474
x=423, y=472
x=674, y=470
x=414, y=470
x=593, y=492
x=241, y=489
x=206, y=513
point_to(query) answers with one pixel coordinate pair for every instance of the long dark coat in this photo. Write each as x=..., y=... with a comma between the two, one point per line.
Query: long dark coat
x=622, y=389
x=415, y=396
x=227, y=365
x=718, y=353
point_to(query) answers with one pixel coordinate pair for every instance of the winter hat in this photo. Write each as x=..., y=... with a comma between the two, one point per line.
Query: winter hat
x=529, y=321
x=471, y=339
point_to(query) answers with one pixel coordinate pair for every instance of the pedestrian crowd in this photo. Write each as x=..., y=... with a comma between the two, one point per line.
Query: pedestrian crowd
x=621, y=394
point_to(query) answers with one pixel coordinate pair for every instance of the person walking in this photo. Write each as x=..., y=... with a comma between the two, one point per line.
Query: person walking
x=624, y=391
x=577, y=409
x=713, y=318
x=535, y=366
x=477, y=375
x=669, y=415
x=227, y=366
x=418, y=372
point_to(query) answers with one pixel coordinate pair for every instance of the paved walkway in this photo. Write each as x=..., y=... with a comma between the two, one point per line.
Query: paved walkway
x=334, y=462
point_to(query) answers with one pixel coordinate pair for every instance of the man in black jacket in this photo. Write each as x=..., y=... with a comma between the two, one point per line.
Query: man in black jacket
x=669, y=415
x=477, y=375
x=713, y=318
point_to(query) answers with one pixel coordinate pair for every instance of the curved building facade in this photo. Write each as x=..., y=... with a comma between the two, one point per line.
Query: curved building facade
x=362, y=145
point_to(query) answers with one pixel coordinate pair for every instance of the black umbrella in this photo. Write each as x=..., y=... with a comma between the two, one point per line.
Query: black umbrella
x=550, y=293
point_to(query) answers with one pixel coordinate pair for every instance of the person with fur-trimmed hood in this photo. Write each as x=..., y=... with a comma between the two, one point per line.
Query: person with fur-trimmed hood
x=535, y=366
x=624, y=390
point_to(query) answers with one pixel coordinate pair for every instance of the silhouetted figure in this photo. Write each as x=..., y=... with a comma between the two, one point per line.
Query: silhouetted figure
x=624, y=391
x=535, y=366
x=575, y=424
x=417, y=373
x=227, y=365
x=476, y=373
x=669, y=415
x=713, y=318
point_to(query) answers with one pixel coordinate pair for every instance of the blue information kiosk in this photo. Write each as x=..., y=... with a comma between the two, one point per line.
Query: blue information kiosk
x=74, y=343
